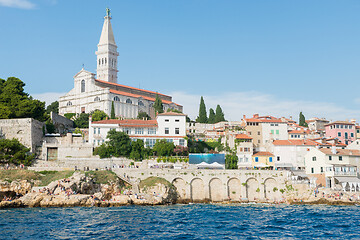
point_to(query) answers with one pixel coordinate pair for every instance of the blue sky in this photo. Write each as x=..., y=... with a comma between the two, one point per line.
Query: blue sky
x=267, y=57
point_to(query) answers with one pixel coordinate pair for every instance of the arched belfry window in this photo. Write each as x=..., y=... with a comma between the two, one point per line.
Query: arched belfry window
x=116, y=99
x=83, y=86
x=69, y=103
x=128, y=100
x=141, y=103
x=99, y=62
x=97, y=99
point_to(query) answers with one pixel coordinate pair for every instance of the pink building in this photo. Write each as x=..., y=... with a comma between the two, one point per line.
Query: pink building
x=344, y=131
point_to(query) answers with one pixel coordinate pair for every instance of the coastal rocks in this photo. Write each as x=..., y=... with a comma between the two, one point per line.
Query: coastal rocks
x=11, y=204
x=32, y=199
x=158, y=191
x=16, y=187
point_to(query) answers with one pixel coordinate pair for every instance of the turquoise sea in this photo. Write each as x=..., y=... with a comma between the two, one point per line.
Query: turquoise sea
x=197, y=221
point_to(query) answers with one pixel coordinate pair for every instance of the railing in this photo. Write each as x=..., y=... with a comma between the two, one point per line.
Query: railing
x=345, y=173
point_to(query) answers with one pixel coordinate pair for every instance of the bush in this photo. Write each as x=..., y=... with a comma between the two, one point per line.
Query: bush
x=12, y=151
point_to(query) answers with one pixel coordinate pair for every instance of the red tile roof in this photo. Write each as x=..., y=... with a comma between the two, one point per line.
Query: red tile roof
x=171, y=114
x=242, y=136
x=340, y=122
x=295, y=143
x=263, y=154
x=346, y=152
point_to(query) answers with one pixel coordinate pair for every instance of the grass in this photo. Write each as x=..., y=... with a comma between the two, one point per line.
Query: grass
x=102, y=177
x=152, y=181
x=46, y=177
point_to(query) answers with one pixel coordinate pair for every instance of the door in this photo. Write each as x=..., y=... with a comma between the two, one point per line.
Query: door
x=52, y=154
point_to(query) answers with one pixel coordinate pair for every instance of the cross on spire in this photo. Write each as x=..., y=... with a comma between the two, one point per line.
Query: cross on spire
x=108, y=14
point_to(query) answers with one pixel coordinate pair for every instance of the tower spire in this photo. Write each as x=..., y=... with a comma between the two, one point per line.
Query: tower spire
x=107, y=52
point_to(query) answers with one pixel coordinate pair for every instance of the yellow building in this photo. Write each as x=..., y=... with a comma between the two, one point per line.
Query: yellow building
x=263, y=160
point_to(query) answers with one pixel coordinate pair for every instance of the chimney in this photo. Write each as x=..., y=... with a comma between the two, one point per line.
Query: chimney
x=290, y=117
x=244, y=116
x=256, y=115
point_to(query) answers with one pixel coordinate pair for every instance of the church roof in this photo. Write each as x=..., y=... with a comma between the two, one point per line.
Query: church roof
x=107, y=35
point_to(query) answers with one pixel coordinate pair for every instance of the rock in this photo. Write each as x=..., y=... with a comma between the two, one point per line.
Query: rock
x=32, y=199
x=11, y=204
x=120, y=200
x=98, y=196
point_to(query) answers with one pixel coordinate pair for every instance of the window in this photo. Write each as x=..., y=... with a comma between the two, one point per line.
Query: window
x=139, y=131
x=321, y=169
x=166, y=130
x=277, y=132
x=258, y=133
x=128, y=101
x=69, y=103
x=182, y=142
x=98, y=130
x=140, y=103
x=83, y=109
x=258, y=141
x=346, y=126
x=278, y=158
x=256, y=159
x=169, y=140
x=116, y=99
x=270, y=159
x=166, y=120
x=312, y=170
x=150, y=142
x=177, y=131
x=314, y=158
x=339, y=134
x=352, y=135
x=127, y=130
x=151, y=130
x=94, y=130
x=83, y=86
x=177, y=120
x=97, y=99
x=330, y=158
x=272, y=132
x=340, y=158
x=358, y=131
x=249, y=133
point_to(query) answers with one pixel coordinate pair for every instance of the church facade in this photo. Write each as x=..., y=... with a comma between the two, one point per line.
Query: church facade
x=92, y=92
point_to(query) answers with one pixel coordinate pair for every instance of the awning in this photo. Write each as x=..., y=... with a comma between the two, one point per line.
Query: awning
x=283, y=165
x=262, y=165
x=348, y=179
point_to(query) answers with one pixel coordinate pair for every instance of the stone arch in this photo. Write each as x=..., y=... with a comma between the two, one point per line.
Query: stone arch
x=116, y=99
x=234, y=189
x=82, y=86
x=181, y=188
x=216, y=190
x=128, y=101
x=271, y=190
x=140, y=103
x=252, y=189
x=197, y=190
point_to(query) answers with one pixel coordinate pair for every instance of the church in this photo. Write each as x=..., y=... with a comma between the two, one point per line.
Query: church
x=98, y=91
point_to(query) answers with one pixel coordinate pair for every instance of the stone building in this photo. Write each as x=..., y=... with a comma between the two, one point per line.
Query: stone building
x=27, y=130
x=92, y=92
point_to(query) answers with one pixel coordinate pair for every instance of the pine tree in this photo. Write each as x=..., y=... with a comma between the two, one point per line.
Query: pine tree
x=202, y=118
x=302, y=121
x=211, y=118
x=112, y=114
x=158, y=106
x=219, y=115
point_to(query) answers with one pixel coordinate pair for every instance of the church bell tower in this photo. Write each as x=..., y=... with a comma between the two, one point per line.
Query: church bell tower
x=107, y=53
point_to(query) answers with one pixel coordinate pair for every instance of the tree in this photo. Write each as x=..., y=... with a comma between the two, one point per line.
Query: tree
x=164, y=148
x=211, y=118
x=98, y=115
x=53, y=107
x=137, y=150
x=82, y=121
x=112, y=114
x=15, y=103
x=12, y=151
x=143, y=115
x=69, y=115
x=202, y=118
x=302, y=121
x=119, y=143
x=231, y=161
x=50, y=128
x=103, y=151
x=158, y=105
x=219, y=115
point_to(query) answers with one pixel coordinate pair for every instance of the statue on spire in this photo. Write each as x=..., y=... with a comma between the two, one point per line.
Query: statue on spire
x=108, y=12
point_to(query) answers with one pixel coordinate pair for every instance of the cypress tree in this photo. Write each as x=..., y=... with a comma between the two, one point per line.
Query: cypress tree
x=219, y=115
x=112, y=114
x=202, y=118
x=158, y=106
x=302, y=121
x=211, y=118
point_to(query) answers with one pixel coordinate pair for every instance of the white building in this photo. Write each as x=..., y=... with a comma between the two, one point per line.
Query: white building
x=91, y=93
x=169, y=126
x=334, y=168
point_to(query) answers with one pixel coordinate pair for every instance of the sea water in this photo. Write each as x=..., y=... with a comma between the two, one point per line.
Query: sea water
x=195, y=221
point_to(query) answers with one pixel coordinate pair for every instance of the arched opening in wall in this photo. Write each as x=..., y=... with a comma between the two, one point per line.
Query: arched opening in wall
x=181, y=189
x=99, y=62
x=271, y=191
x=97, y=99
x=116, y=99
x=234, y=189
x=252, y=189
x=140, y=103
x=197, y=191
x=105, y=61
x=102, y=61
x=82, y=86
x=69, y=103
x=216, y=190
x=128, y=101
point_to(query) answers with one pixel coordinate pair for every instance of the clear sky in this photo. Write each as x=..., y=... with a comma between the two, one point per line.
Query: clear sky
x=268, y=57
